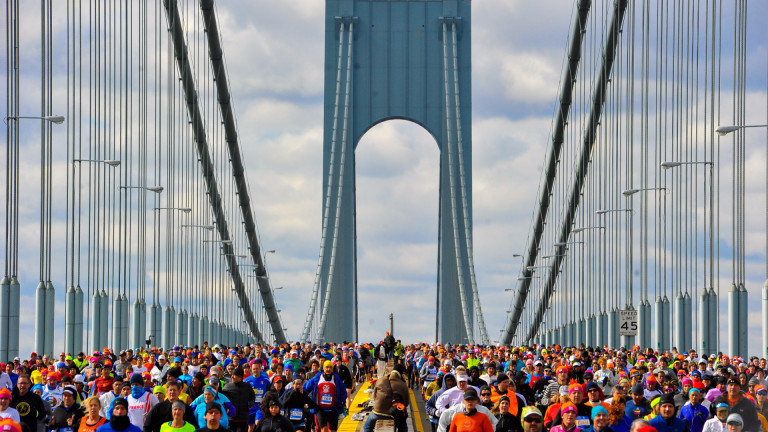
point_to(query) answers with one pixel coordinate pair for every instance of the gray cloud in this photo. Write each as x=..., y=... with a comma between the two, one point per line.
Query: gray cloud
x=274, y=53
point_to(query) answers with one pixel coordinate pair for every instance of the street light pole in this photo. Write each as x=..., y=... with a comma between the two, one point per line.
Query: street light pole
x=110, y=162
x=265, y=256
x=182, y=209
x=52, y=119
x=155, y=189
x=597, y=330
x=205, y=227
x=724, y=130
x=645, y=313
x=630, y=192
x=629, y=301
x=683, y=328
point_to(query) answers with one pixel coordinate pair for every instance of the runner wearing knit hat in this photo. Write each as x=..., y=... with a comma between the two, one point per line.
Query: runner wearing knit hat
x=5, y=410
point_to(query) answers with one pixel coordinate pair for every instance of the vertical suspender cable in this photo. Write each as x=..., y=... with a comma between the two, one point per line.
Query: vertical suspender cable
x=598, y=99
x=240, y=182
x=203, y=152
x=566, y=95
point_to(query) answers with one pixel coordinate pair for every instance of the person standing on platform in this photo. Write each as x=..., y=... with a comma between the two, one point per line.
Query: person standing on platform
x=381, y=359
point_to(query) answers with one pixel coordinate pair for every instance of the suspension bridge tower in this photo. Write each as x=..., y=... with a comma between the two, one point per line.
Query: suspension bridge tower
x=410, y=60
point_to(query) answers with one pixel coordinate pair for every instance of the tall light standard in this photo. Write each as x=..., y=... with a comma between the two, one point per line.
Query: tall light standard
x=110, y=162
x=45, y=292
x=52, y=119
x=533, y=268
x=741, y=291
x=120, y=307
x=156, y=318
x=73, y=297
x=234, y=255
x=205, y=227
x=613, y=323
x=662, y=304
x=181, y=209
x=590, y=321
x=564, y=244
x=683, y=327
x=155, y=189
x=265, y=256
x=582, y=229
x=630, y=192
x=596, y=331
x=725, y=130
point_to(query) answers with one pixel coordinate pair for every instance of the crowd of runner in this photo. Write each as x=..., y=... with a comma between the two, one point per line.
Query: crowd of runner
x=593, y=390
x=309, y=387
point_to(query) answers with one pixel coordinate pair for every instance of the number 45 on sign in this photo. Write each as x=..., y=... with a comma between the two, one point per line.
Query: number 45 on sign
x=627, y=323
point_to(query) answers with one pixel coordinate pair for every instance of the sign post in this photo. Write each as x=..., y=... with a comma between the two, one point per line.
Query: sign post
x=627, y=323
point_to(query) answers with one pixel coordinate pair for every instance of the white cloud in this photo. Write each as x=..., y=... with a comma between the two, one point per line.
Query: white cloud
x=274, y=54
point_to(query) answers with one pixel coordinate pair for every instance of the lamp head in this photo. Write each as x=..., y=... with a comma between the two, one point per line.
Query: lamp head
x=112, y=162
x=55, y=119
x=155, y=189
x=630, y=192
x=670, y=164
x=725, y=130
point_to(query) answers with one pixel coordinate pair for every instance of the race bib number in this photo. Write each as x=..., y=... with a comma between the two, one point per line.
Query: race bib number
x=326, y=399
x=430, y=377
x=295, y=414
x=259, y=395
x=582, y=421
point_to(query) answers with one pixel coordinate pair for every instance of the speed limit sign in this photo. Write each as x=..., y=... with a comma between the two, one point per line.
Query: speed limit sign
x=627, y=323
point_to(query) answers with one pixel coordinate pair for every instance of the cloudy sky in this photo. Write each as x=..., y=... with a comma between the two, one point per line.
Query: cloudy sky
x=274, y=53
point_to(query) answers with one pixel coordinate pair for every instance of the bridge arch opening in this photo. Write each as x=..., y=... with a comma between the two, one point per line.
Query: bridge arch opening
x=397, y=167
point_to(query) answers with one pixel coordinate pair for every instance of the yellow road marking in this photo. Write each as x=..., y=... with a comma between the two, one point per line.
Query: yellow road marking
x=416, y=414
x=347, y=424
